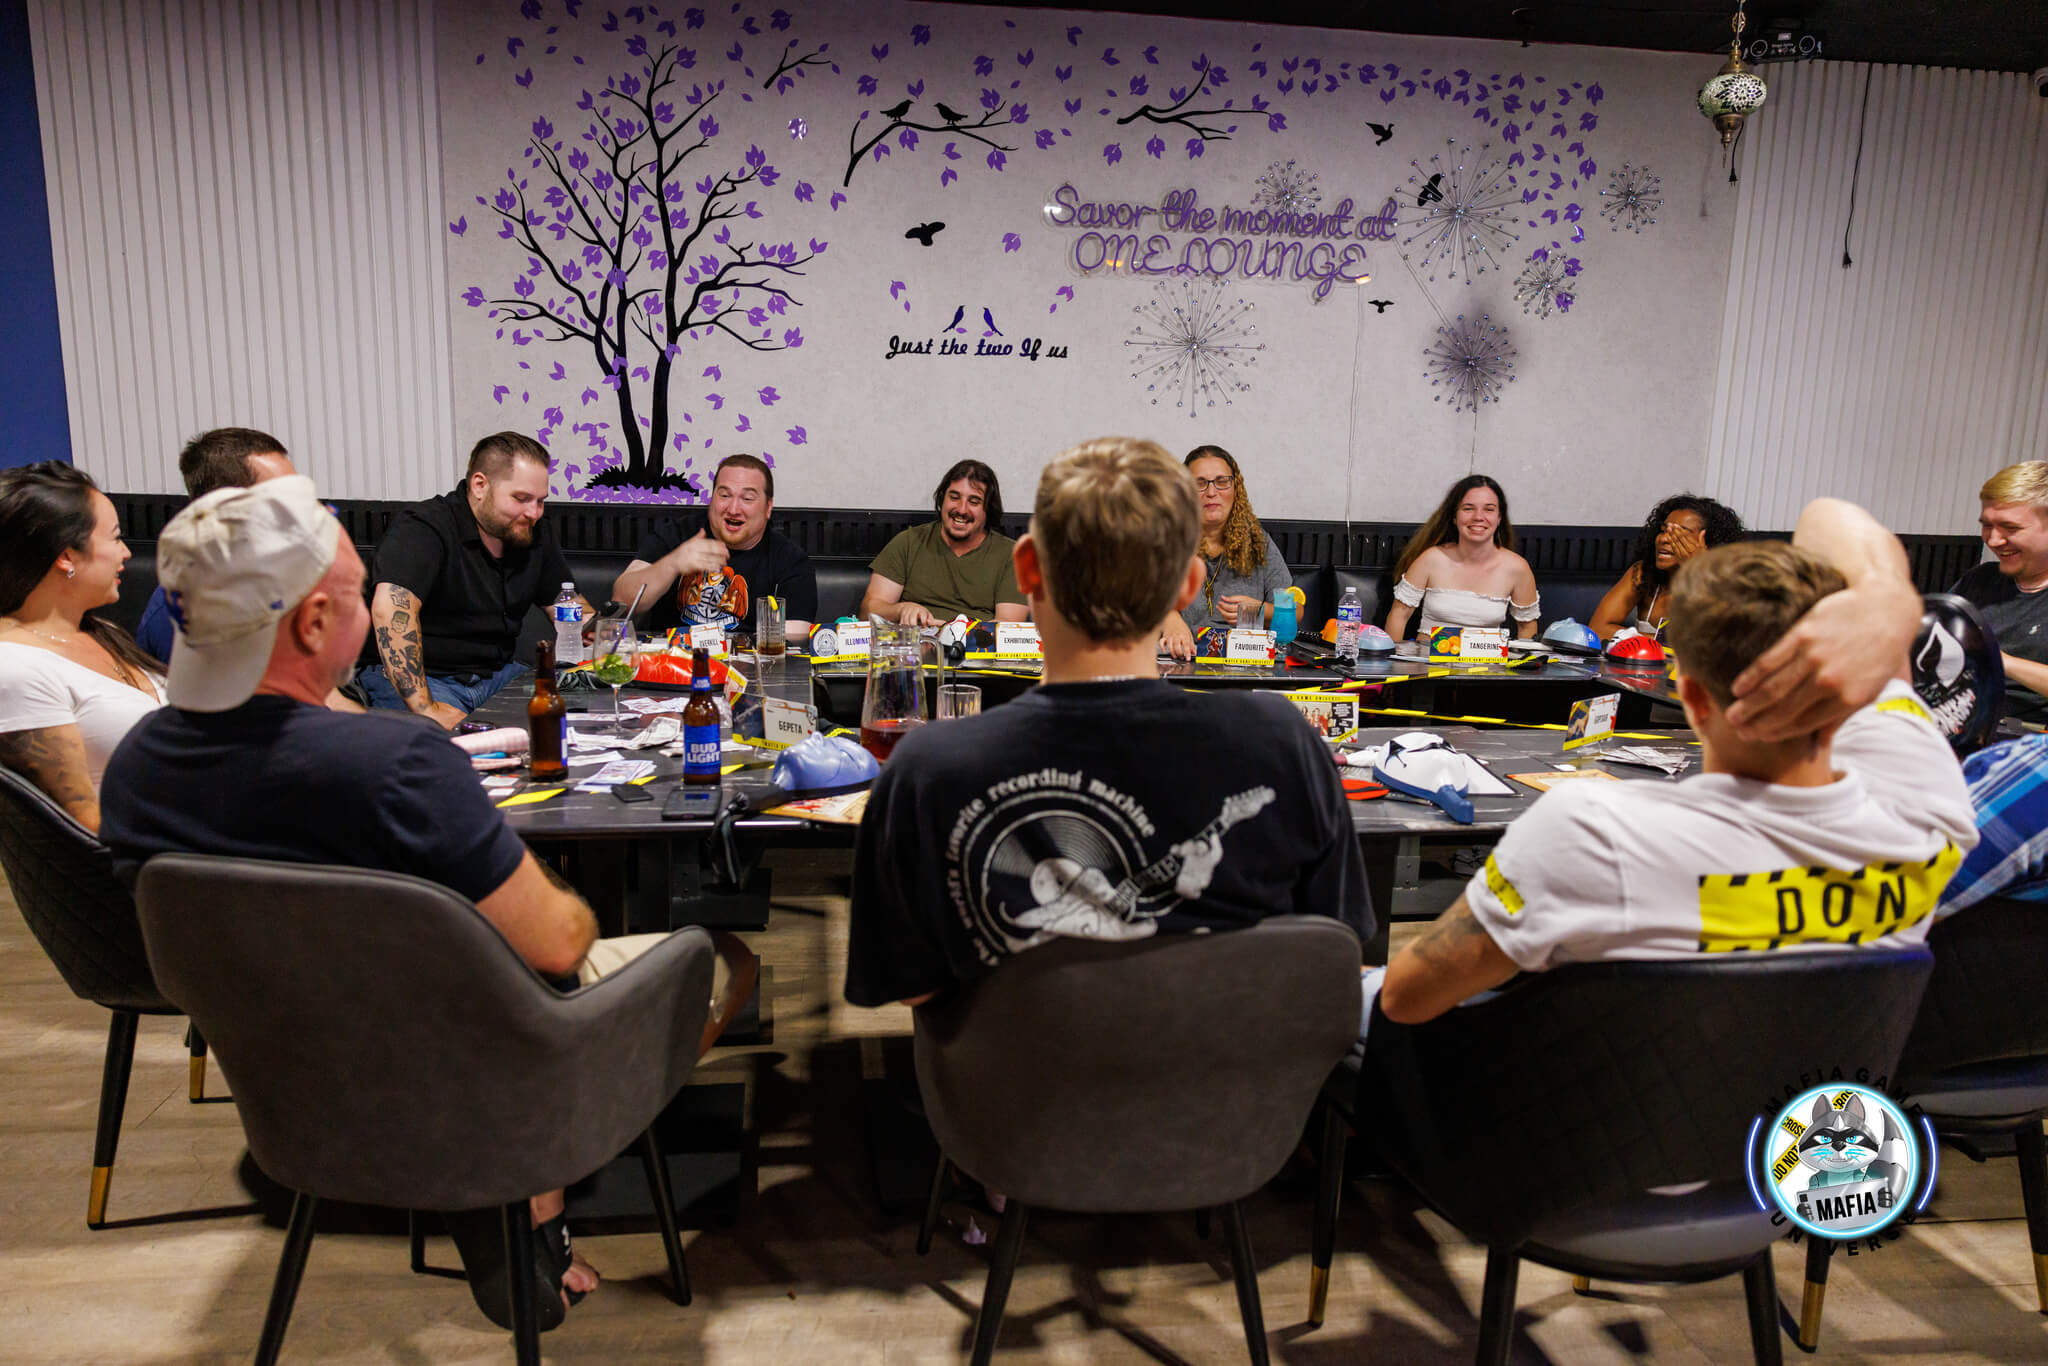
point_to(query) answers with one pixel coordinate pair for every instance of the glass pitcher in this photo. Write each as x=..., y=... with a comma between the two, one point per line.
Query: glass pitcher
x=894, y=703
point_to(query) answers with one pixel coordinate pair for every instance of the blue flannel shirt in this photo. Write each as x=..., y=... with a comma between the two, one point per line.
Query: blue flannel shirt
x=2009, y=788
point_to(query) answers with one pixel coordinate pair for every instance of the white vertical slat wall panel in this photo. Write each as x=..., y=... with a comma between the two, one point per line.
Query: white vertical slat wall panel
x=245, y=208
x=1907, y=378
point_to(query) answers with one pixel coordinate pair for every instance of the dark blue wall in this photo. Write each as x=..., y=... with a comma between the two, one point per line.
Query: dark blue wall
x=31, y=355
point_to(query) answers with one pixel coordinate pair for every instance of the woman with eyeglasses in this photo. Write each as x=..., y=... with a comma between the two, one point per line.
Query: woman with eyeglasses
x=1245, y=568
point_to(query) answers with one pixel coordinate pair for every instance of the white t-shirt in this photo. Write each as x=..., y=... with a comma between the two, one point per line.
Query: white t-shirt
x=40, y=689
x=1718, y=863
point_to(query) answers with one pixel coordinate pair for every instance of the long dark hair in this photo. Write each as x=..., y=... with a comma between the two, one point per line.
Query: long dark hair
x=1724, y=524
x=974, y=472
x=1244, y=540
x=45, y=510
x=1442, y=526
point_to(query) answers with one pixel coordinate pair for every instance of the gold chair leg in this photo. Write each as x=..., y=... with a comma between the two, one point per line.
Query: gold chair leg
x=1810, y=1305
x=196, y=1086
x=2041, y=1280
x=96, y=1202
x=1318, y=1294
x=1582, y=1285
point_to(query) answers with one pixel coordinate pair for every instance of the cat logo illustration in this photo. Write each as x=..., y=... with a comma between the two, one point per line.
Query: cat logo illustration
x=719, y=597
x=1851, y=1166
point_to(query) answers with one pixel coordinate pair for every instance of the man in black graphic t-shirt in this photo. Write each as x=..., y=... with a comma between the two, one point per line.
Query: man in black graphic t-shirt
x=714, y=568
x=2011, y=588
x=1107, y=804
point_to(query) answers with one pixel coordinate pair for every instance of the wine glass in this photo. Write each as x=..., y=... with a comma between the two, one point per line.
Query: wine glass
x=615, y=651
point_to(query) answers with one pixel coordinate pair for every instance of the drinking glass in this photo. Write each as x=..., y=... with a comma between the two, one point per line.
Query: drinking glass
x=615, y=654
x=769, y=638
x=957, y=700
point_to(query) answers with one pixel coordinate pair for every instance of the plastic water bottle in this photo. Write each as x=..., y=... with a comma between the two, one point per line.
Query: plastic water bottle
x=568, y=628
x=1350, y=616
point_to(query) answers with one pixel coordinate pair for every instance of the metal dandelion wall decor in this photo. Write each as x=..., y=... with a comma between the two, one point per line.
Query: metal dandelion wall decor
x=1462, y=216
x=1194, y=344
x=1632, y=198
x=1470, y=363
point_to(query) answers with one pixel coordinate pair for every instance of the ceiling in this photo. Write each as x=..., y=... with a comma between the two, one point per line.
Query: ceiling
x=1994, y=35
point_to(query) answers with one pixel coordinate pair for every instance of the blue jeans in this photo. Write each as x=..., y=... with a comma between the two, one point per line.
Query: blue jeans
x=465, y=692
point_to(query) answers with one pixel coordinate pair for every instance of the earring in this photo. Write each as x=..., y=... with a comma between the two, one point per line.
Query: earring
x=71, y=573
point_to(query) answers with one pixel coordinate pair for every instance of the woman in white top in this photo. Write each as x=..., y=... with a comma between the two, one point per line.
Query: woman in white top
x=71, y=684
x=1461, y=568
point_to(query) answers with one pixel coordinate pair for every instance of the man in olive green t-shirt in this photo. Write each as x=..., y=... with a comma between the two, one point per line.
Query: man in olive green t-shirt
x=952, y=567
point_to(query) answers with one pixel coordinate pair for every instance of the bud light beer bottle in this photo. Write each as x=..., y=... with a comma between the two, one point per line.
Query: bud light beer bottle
x=700, y=723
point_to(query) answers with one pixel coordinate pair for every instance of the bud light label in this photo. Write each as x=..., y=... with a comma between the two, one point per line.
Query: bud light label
x=700, y=749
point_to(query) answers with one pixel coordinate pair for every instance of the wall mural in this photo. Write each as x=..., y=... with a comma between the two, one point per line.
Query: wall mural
x=676, y=196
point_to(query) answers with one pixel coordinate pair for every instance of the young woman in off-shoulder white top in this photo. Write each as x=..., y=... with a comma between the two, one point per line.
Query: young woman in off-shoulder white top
x=1461, y=568
x=71, y=684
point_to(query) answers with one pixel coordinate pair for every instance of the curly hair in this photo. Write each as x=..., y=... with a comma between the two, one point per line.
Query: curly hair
x=1244, y=540
x=1724, y=525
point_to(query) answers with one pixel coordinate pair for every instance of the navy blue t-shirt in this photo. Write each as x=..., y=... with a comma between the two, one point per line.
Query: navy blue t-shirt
x=1113, y=810
x=278, y=779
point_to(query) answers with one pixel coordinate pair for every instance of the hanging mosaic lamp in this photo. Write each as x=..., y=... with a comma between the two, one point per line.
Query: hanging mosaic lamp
x=1734, y=92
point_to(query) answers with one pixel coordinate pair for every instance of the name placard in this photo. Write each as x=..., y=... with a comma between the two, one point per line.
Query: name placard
x=1017, y=638
x=855, y=638
x=1248, y=647
x=1591, y=721
x=1482, y=642
x=708, y=636
x=785, y=723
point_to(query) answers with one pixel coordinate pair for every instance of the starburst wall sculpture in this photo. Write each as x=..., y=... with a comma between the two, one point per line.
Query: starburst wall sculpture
x=1462, y=216
x=1550, y=281
x=1287, y=188
x=1470, y=362
x=1632, y=198
x=1194, y=344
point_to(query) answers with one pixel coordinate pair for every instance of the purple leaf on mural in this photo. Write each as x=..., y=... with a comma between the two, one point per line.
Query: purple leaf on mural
x=713, y=372
x=753, y=208
x=1277, y=122
x=896, y=287
x=776, y=303
x=1285, y=87
x=1579, y=233
x=756, y=158
x=1109, y=57
x=1012, y=242
x=797, y=436
x=1564, y=301
x=1594, y=94
x=525, y=79
x=881, y=150
x=867, y=86
x=804, y=191
x=920, y=34
x=947, y=176
x=996, y=159
x=755, y=316
x=473, y=296
x=589, y=395
x=745, y=424
x=1073, y=106
x=1195, y=146
x=577, y=159
x=460, y=225
x=1511, y=104
x=1588, y=122
x=907, y=139
x=1138, y=84
x=991, y=100
x=499, y=391
x=768, y=176
x=1020, y=113
x=837, y=200
x=952, y=152
x=1155, y=147
x=818, y=247
x=880, y=51
x=1045, y=138
x=1113, y=153
x=1386, y=94
x=1511, y=132
x=793, y=338
x=983, y=65
x=768, y=396
x=708, y=126
x=716, y=401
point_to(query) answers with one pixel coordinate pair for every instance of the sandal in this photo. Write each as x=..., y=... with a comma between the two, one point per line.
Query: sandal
x=552, y=1239
x=479, y=1236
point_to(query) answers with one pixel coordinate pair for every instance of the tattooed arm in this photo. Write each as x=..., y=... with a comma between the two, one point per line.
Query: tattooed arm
x=53, y=758
x=1453, y=959
x=395, y=616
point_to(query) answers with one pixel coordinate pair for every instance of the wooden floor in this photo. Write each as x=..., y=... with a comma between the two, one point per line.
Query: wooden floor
x=813, y=1273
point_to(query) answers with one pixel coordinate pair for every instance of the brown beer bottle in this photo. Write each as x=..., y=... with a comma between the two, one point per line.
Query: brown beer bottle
x=547, y=717
x=700, y=723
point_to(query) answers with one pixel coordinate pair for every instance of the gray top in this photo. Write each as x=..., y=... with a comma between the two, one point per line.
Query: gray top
x=1262, y=583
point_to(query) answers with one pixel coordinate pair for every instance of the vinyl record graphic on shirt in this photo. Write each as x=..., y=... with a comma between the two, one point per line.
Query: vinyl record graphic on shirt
x=1067, y=858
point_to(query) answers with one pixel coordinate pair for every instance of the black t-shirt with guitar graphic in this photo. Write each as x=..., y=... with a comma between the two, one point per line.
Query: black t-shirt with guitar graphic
x=1095, y=810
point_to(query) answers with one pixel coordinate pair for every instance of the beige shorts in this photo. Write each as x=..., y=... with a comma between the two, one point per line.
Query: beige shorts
x=609, y=955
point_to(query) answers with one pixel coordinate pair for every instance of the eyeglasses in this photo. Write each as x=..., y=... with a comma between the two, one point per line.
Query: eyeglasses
x=1220, y=484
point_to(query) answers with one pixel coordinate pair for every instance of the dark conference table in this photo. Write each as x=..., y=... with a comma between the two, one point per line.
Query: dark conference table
x=627, y=854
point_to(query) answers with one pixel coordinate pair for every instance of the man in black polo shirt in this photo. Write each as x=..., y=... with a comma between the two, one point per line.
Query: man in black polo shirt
x=716, y=565
x=455, y=576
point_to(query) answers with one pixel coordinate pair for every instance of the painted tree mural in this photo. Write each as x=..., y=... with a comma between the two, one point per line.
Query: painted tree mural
x=650, y=246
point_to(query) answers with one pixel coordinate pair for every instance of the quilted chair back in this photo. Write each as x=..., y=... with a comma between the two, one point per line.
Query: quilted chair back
x=79, y=911
x=1984, y=1002
x=1587, y=1085
x=1172, y=1073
